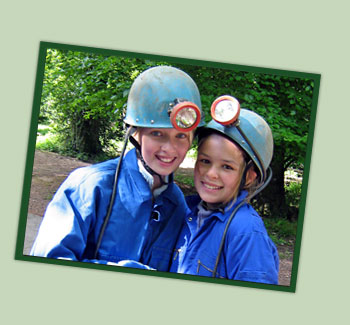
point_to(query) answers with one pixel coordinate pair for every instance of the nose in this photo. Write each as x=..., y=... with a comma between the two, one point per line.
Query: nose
x=212, y=173
x=169, y=145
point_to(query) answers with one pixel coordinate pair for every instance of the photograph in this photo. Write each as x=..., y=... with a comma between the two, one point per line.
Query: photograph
x=167, y=166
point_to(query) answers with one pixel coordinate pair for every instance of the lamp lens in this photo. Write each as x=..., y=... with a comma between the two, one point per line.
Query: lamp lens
x=186, y=118
x=225, y=110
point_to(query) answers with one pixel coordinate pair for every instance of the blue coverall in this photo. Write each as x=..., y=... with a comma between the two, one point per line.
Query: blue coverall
x=248, y=254
x=140, y=228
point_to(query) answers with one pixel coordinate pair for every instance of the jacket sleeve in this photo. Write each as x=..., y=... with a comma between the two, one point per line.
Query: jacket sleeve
x=70, y=219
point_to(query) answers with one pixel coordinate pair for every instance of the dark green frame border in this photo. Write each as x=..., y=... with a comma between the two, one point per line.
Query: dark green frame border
x=31, y=151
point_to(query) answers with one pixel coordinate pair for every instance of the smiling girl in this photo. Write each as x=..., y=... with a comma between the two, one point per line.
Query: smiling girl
x=223, y=235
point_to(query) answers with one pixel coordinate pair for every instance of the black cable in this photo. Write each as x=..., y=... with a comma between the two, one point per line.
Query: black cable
x=253, y=148
x=111, y=202
x=148, y=168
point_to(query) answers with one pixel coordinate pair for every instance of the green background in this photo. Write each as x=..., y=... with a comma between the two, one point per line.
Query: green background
x=299, y=36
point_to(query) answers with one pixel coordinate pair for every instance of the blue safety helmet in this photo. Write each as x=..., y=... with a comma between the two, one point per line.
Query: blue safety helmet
x=155, y=95
x=252, y=134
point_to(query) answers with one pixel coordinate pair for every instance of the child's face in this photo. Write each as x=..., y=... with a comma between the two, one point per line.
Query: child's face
x=218, y=170
x=164, y=149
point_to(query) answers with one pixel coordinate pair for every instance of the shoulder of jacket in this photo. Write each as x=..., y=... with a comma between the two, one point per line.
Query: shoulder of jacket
x=100, y=172
x=246, y=221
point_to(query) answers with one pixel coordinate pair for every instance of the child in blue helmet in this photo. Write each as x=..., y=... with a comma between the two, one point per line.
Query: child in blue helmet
x=223, y=236
x=129, y=208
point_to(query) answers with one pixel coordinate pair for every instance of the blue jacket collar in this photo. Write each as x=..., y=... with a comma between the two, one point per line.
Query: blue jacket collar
x=194, y=200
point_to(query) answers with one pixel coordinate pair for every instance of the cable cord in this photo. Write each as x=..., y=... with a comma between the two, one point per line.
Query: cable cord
x=130, y=130
x=252, y=147
x=233, y=215
x=148, y=168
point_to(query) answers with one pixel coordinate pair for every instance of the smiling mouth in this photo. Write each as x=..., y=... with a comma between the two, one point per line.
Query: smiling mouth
x=166, y=160
x=211, y=187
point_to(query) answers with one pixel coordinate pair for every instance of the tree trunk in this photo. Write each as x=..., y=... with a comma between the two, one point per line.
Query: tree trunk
x=271, y=202
x=87, y=136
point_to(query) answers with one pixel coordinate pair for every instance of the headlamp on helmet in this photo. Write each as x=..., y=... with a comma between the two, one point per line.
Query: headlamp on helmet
x=184, y=115
x=225, y=110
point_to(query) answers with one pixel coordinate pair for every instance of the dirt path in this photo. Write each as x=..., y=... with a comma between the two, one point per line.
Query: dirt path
x=50, y=169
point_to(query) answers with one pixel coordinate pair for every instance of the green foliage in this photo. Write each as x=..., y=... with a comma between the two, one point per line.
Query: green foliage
x=44, y=130
x=293, y=192
x=52, y=144
x=281, y=230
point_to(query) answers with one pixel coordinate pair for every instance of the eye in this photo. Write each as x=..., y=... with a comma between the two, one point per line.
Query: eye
x=181, y=136
x=204, y=161
x=156, y=133
x=227, y=167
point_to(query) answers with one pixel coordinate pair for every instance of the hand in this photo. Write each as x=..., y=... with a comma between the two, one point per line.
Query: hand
x=134, y=264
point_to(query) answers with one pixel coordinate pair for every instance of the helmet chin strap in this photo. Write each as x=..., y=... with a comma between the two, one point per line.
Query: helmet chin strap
x=139, y=156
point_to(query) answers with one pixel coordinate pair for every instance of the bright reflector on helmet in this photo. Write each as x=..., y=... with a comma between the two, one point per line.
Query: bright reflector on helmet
x=225, y=110
x=185, y=116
